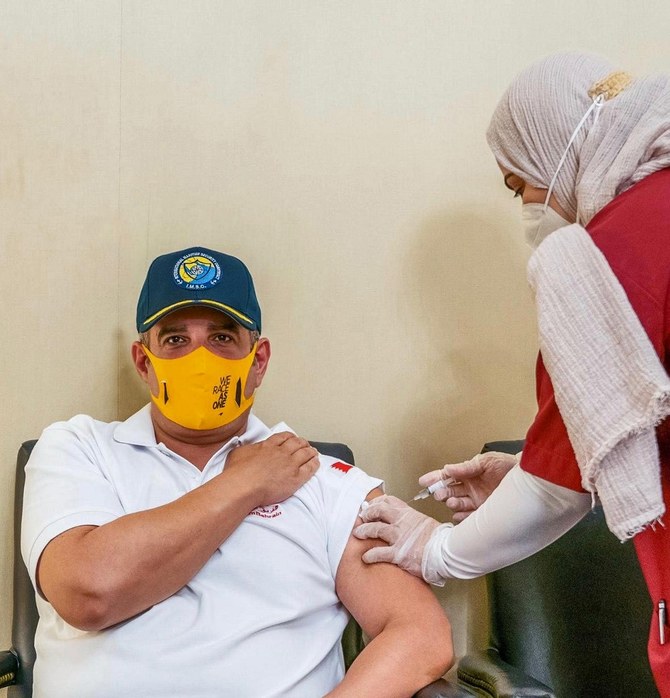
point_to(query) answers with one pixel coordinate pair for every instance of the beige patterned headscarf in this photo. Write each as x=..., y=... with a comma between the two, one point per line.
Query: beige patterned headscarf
x=535, y=118
x=605, y=372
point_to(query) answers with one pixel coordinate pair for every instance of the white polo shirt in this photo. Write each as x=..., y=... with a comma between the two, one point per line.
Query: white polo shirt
x=260, y=619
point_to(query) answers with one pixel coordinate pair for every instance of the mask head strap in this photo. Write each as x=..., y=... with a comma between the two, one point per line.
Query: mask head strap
x=600, y=92
x=596, y=105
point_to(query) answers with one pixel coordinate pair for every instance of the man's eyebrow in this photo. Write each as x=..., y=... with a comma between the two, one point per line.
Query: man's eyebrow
x=170, y=329
x=228, y=325
x=223, y=320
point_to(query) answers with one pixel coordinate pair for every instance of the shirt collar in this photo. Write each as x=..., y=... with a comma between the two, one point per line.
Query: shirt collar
x=138, y=430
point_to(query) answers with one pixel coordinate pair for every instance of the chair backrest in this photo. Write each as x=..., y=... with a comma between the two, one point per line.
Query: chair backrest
x=25, y=617
x=576, y=615
x=24, y=622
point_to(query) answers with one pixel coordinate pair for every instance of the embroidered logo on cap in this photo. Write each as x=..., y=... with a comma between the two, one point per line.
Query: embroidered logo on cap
x=197, y=271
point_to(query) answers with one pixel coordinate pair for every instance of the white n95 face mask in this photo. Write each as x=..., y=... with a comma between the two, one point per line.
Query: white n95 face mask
x=540, y=220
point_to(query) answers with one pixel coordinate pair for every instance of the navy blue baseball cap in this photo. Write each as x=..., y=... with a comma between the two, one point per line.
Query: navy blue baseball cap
x=198, y=276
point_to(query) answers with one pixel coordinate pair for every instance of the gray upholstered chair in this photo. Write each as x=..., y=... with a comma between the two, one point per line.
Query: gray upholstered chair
x=570, y=621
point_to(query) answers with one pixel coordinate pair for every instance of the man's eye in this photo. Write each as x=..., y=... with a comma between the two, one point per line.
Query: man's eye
x=174, y=340
x=223, y=338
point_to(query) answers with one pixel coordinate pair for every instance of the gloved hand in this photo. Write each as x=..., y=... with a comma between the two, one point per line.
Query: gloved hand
x=404, y=529
x=475, y=480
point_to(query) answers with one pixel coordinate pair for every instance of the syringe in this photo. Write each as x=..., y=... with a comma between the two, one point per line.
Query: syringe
x=431, y=489
x=425, y=492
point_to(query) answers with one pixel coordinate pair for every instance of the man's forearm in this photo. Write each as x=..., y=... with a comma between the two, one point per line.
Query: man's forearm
x=397, y=663
x=96, y=577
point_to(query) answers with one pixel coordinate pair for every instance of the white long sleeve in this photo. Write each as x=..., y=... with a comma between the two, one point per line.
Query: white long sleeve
x=523, y=515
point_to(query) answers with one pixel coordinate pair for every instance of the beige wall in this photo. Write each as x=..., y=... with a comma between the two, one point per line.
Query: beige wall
x=338, y=148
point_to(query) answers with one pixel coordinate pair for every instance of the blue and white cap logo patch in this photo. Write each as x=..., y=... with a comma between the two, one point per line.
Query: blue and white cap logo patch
x=196, y=271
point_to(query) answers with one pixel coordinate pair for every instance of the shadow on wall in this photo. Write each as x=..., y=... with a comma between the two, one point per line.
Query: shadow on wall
x=132, y=391
x=465, y=293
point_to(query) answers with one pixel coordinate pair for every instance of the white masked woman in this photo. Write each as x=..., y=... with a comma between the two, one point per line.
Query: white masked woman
x=587, y=149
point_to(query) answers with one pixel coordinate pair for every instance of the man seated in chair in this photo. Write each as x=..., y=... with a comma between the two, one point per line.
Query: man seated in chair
x=193, y=551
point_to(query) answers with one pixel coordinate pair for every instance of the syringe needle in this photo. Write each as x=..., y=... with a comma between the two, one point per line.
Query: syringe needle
x=431, y=489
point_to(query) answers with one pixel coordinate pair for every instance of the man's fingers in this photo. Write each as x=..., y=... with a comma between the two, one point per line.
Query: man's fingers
x=280, y=438
x=297, y=448
x=295, y=444
x=289, y=441
x=305, y=455
x=312, y=465
x=379, y=554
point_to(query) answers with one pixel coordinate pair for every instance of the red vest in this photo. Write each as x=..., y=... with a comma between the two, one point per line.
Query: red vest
x=633, y=232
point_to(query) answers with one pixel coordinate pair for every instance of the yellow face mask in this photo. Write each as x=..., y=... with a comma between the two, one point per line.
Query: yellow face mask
x=202, y=390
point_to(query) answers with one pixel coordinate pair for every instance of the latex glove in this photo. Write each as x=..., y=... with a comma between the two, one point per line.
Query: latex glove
x=475, y=480
x=404, y=529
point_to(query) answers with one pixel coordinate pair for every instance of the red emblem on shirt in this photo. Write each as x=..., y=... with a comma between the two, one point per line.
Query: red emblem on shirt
x=344, y=467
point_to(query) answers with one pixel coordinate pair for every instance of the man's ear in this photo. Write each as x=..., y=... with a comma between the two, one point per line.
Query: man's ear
x=259, y=366
x=140, y=360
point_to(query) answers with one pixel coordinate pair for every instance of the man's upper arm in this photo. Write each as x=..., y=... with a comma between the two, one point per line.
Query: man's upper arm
x=381, y=593
x=64, y=489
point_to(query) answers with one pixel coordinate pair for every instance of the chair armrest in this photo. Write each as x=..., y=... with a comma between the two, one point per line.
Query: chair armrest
x=9, y=668
x=443, y=689
x=487, y=673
